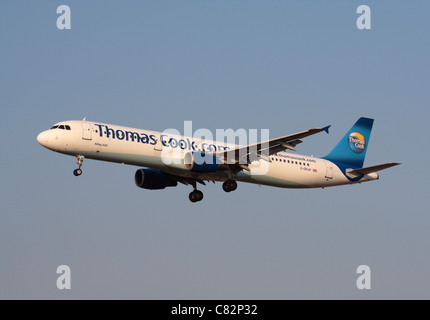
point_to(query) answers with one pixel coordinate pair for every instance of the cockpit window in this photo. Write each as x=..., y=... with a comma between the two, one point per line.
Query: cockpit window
x=62, y=127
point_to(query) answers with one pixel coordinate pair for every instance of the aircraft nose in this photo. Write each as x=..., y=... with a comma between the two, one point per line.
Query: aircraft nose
x=42, y=138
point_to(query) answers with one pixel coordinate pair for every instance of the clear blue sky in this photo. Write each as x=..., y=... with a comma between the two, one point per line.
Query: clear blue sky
x=282, y=65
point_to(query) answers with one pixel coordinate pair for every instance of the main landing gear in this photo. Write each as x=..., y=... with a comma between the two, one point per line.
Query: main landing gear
x=78, y=172
x=229, y=185
x=196, y=195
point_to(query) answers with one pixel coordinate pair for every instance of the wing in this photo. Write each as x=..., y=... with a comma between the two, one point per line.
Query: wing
x=187, y=181
x=242, y=156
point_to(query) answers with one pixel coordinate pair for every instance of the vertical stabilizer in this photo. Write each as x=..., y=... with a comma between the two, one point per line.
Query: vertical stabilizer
x=351, y=150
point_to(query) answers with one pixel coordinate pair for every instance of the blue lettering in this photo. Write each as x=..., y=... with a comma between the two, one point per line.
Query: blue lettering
x=144, y=138
x=109, y=131
x=183, y=144
x=132, y=136
x=212, y=148
x=173, y=143
x=100, y=129
x=120, y=134
x=164, y=142
x=153, y=140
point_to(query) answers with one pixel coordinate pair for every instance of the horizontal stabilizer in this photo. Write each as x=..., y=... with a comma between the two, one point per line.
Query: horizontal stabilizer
x=367, y=170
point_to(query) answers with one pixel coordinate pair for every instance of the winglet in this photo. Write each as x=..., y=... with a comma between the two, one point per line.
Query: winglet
x=326, y=128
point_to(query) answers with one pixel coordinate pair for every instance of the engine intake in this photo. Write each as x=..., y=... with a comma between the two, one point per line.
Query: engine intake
x=153, y=179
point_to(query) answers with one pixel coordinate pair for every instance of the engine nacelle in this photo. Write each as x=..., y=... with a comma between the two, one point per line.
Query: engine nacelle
x=153, y=179
x=201, y=162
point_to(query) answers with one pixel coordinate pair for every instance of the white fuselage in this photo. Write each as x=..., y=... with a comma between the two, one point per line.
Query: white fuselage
x=99, y=141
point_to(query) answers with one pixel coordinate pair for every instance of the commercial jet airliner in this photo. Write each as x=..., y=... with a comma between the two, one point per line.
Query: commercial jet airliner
x=201, y=160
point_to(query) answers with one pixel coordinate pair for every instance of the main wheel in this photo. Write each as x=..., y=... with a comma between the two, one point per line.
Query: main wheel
x=199, y=195
x=232, y=185
x=229, y=185
x=192, y=197
x=196, y=196
x=225, y=186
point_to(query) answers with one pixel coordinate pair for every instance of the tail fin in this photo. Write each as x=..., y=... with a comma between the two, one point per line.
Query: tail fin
x=351, y=150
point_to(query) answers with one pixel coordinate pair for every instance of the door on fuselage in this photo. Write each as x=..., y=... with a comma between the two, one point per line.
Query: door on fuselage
x=158, y=146
x=86, y=131
x=329, y=170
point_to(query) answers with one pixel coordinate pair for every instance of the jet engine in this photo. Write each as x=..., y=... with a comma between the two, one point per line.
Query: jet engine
x=153, y=179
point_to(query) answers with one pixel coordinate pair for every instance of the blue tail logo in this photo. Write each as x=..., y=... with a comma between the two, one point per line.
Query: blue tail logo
x=351, y=150
x=357, y=142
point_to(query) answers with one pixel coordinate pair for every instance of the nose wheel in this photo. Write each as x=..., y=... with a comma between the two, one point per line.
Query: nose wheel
x=78, y=172
x=229, y=185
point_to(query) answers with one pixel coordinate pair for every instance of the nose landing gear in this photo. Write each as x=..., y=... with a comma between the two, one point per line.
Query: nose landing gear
x=78, y=172
x=196, y=195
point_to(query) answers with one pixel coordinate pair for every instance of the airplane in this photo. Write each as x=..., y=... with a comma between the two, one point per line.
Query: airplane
x=230, y=163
